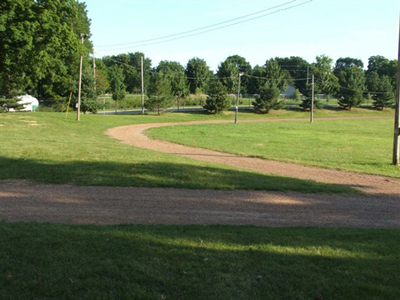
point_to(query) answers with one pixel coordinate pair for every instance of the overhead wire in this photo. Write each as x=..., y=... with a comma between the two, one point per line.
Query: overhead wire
x=214, y=29
x=198, y=29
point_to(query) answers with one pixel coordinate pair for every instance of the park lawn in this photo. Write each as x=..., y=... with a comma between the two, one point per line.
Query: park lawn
x=50, y=148
x=359, y=145
x=55, y=261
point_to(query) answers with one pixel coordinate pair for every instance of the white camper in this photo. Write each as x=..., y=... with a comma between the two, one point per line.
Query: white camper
x=30, y=103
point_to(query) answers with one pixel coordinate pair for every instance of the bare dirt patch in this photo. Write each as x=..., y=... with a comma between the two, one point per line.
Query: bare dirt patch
x=24, y=201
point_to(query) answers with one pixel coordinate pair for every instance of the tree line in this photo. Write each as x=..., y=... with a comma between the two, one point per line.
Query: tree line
x=40, y=48
x=345, y=79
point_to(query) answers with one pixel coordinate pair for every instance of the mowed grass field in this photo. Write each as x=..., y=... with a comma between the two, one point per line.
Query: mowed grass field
x=360, y=145
x=59, y=261
x=50, y=148
x=49, y=261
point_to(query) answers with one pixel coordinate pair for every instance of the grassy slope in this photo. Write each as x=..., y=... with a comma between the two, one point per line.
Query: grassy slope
x=47, y=147
x=44, y=261
x=354, y=145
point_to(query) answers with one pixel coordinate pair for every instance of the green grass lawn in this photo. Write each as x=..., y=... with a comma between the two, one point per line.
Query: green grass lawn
x=55, y=261
x=50, y=148
x=363, y=145
x=45, y=261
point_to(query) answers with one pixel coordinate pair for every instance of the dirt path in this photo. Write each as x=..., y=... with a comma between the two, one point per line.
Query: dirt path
x=379, y=207
x=24, y=201
x=133, y=135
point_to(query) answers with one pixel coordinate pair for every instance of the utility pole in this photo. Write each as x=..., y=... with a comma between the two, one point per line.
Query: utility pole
x=397, y=113
x=142, y=83
x=94, y=71
x=78, y=111
x=237, y=98
x=312, y=100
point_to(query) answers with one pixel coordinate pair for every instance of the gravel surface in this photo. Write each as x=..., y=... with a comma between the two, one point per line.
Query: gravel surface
x=379, y=207
x=24, y=201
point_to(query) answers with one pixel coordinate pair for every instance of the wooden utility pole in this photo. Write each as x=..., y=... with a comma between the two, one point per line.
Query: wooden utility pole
x=142, y=82
x=94, y=71
x=312, y=100
x=78, y=111
x=237, y=98
x=397, y=113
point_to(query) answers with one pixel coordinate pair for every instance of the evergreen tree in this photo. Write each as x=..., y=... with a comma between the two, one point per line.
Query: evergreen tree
x=372, y=81
x=217, y=99
x=159, y=92
x=9, y=103
x=269, y=98
x=307, y=93
x=352, y=86
x=385, y=95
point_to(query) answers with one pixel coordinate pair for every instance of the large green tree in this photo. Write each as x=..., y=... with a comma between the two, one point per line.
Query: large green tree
x=131, y=66
x=228, y=72
x=384, y=67
x=270, y=72
x=116, y=78
x=322, y=69
x=344, y=63
x=198, y=74
x=298, y=69
x=40, y=46
x=175, y=73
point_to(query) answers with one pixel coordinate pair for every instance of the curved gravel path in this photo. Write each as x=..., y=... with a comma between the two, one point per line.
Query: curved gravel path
x=379, y=207
x=133, y=135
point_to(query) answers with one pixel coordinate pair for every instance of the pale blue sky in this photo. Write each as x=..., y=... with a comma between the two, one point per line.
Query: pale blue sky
x=337, y=28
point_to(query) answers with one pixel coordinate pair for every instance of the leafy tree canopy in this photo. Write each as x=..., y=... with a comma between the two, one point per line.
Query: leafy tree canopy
x=297, y=69
x=40, y=45
x=175, y=73
x=198, y=74
x=323, y=71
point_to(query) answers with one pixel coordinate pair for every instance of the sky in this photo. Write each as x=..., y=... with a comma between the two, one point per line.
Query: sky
x=337, y=28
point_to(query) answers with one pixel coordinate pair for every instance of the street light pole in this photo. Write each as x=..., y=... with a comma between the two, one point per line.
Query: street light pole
x=237, y=98
x=312, y=100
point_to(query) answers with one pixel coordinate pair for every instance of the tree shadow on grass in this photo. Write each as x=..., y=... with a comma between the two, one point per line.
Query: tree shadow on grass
x=197, y=262
x=156, y=174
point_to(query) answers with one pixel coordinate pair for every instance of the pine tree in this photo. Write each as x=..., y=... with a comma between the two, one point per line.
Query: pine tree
x=159, y=92
x=269, y=98
x=384, y=96
x=352, y=85
x=307, y=93
x=217, y=99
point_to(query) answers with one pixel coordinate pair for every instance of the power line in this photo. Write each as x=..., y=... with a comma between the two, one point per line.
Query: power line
x=275, y=79
x=214, y=29
x=198, y=29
